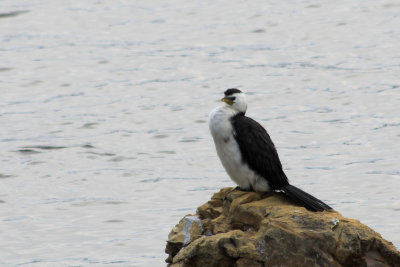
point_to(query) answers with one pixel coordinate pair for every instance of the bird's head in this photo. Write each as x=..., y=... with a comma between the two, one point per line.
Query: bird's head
x=235, y=99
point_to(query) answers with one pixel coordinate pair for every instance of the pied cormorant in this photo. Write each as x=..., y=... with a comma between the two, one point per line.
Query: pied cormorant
x=248, y=154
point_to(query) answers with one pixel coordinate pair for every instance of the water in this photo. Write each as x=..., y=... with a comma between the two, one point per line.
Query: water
x=103, y=113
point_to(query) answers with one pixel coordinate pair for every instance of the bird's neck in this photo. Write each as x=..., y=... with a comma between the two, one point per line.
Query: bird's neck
x=239, y=114
x=231, y=112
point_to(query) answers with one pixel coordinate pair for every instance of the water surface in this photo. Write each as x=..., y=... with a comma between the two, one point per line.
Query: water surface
x=103, y=111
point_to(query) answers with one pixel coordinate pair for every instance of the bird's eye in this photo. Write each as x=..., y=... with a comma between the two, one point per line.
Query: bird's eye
x=232, y=98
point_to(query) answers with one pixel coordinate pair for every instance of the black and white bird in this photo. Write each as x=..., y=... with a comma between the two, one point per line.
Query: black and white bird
x=248, y=154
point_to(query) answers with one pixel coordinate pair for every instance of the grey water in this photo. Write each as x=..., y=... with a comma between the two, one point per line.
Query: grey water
x=104, y=106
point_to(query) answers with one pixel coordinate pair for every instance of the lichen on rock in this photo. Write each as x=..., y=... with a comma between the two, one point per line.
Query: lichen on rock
x=237, y=228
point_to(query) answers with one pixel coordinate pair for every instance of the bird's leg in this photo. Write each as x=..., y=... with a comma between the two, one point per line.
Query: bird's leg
x=246, y=189
x=234, y=189
x=250, y=189
x=238, y=188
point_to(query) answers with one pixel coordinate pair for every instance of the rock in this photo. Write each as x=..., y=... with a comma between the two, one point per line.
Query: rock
x=244, y=229
x=188, y=230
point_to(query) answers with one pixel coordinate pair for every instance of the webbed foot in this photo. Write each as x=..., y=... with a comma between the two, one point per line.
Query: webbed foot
x=246, y=189
x=250, y=189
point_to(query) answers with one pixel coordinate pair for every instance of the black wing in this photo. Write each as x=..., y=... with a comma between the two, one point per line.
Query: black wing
x=258, y=150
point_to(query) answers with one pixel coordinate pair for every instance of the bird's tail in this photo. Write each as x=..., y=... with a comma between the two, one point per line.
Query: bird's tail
x=304, y=199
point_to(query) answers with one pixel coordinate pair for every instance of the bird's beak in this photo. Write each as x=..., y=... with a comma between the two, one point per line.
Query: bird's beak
x=227, y=100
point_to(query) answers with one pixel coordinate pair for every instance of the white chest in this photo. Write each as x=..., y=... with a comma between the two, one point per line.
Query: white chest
x=222, y=133
x=229, y=152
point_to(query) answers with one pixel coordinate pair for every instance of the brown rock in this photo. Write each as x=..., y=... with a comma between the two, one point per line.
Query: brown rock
x=237, y=228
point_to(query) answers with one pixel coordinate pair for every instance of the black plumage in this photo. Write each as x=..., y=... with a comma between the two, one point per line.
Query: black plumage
x=259, y=153
x=258, y=150
x=231, y=91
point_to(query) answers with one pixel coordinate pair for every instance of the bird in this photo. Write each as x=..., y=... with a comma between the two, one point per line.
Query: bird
x=248, y=154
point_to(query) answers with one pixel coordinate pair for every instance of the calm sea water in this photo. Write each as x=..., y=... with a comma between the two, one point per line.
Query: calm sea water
x=104, y=105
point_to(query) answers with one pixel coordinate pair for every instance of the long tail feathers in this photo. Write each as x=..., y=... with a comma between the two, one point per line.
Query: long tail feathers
x=304, y=199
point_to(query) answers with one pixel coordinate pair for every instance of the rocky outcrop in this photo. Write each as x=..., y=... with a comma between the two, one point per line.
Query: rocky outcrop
x=237, y=228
